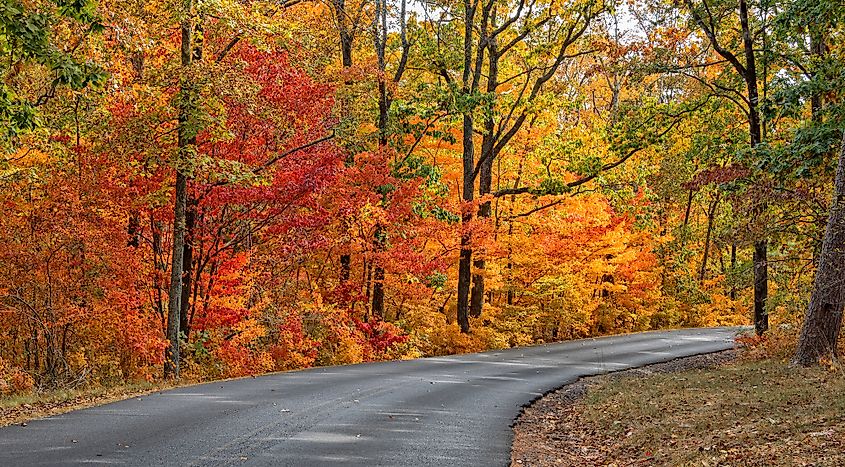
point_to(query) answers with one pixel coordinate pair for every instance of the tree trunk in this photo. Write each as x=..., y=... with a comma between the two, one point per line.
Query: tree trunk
x=185, y=140
x=761, y=286
x=380, y=234
x=378, y=275
x=187, y=267
x=484, y=211
x=820, y=332
x=465, y=263
x=711, y=214
x=733, y=268
x=171, y=363
x=760, y=260
x=485, y=174
x=684, y=233
x=346, y=39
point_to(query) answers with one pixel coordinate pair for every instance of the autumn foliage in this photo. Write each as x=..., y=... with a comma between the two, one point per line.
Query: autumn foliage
x=324, y=209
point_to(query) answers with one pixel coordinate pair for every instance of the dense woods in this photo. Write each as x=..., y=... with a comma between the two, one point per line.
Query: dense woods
x=208, y=188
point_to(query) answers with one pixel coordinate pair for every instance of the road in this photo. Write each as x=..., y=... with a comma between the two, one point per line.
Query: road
x=445, y=411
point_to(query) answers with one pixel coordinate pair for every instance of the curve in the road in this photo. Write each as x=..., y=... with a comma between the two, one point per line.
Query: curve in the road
x=434, y=411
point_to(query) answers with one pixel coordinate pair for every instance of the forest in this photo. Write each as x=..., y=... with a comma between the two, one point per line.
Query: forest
x=206, y=189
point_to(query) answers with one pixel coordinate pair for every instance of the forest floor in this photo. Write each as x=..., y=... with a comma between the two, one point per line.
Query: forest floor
x=728, y=408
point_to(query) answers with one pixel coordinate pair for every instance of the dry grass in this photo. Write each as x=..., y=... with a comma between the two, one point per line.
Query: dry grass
x=749, y=413
x=22, y=408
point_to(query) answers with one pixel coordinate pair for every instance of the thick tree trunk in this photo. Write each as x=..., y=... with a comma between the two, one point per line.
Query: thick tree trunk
x=820, y=332
x=185, y=140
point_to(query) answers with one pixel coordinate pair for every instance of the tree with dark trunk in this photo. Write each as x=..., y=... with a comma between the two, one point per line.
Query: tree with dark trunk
x=482, y=55
x=385, y=101
x=186, y=140
x=823, y=322
x=750, y=102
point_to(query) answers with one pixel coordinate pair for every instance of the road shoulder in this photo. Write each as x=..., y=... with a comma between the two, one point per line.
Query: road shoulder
x=550, y=431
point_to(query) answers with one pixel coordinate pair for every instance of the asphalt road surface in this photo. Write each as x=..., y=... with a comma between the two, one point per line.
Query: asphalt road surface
x=445, y=411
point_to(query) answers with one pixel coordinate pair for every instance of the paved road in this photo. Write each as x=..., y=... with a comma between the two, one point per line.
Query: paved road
x=448, y=411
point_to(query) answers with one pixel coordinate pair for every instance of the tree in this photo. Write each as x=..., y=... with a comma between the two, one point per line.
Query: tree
x=746, y=68
x=494, y=36
x=185, y=144
x=823, y=322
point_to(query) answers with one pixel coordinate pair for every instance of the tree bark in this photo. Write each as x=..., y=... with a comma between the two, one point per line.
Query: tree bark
x=171, y=363
x=469, y=86
x=485, y=173
x=185, y=140
x=748, y=72
x=346, y=38
x=187, y=267
x=684, y=233
x=711, y=214
x=378, y=274
x=733, y=268
x=465, y=262
x=760, y=258
x=823, y=322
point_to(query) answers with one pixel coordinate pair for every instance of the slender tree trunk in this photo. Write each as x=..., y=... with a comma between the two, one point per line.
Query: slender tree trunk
x=378, y=274
x=760, y=258
x=171, y=364
x=485, y=174
x=823, y=322
x=733, y=268
x=185, y=140
x=187, y=267
x=469, y=86
x=380, y=234
x=711, y=214
x=761, y=286
x=684, y=228
x=484, y=211
x=346, y=39
x=465, y=263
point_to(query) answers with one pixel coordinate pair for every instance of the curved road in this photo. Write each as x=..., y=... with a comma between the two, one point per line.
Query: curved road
x=433, y=411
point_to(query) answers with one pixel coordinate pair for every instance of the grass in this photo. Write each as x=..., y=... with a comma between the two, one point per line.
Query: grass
x=22, y=408
x=759, y=412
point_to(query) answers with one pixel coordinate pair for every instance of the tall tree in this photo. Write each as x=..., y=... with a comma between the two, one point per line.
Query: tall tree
x=495, y=33
x=185, y=144
x=746, y=68
x=385, y=101
x=823, y=322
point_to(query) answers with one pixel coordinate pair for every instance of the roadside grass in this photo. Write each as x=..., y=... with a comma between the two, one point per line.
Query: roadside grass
x=24, y=407
x=750, y=412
